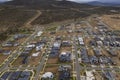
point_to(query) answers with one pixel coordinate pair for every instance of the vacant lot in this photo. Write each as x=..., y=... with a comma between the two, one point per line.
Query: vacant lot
x=2, y=58
x=112, y=20
x=52, y=61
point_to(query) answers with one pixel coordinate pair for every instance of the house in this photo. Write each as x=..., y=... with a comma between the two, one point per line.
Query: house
x=99, y=43
x=39, y=46
x=54, y=52
x=58, y=38
x=109, y=75
x=57, y=44
x=111, y=52
x=93, y=60
x=89, y=75
x=25, y=52
x=84, y=55
x=7, y=52
x=5, y=76
x=16, y=75
x=103, y=60
x=53, y=32
x=47, y=75
x=64, y=68
x=39, y=33
x=25, y=60
x=8, y=44
x=25, y=75
x=66, y=43
x=35, y=54
x=64, y=75
x=30, y=46
x=18, y=36
x=65, y=57
x=55, y=49
x=81, y=41
x=93, y=43
x=111, y=61
x=97, y=52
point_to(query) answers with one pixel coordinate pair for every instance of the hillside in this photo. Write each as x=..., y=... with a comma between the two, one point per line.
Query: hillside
x=60, y=10
x=15, y=13
x=45, y=4
x=97, y=3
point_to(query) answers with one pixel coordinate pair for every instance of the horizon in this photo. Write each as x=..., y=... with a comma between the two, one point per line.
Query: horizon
x=104, y=1
x=82, y=1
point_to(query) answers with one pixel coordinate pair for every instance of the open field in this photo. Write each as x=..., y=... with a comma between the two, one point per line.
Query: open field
x=112, y=20
x=53, y=61
x=12, y=19
x=2, y=58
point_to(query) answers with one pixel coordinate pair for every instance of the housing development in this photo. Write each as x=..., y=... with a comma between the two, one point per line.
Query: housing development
x=80, y=50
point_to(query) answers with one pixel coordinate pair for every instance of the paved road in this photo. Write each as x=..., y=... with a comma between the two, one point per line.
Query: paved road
x=100, y=68
x=22, y=68
x=77, y=66
x=39, y=68
x=15, y=53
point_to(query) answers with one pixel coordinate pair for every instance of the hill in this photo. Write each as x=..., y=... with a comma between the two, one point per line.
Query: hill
x=54, y=10
x=97, y=3
x=15, y=13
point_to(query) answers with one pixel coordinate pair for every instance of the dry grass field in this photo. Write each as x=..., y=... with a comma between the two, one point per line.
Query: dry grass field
x=112, y=20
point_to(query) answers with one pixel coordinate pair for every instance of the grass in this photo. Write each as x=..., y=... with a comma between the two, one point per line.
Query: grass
x=12, y=19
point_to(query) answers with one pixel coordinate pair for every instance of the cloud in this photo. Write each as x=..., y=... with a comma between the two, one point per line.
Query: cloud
x=4, y=0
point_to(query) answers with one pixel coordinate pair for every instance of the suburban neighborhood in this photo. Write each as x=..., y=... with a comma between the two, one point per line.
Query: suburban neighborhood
x=80, y=50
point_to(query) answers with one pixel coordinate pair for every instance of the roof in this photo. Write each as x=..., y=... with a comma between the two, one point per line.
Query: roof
x=89, y=75
x=39, y=33
x=63, y=53
x=31, y=45
x=35, y=54
x=48, y=75
x=56, y=44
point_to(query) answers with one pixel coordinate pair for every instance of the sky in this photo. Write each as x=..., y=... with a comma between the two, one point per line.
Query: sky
x=96, y=0
x=4, y=0
x=116, y=1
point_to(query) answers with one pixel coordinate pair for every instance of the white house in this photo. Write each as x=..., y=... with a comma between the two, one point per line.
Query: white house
x=39, y=33
x=48, y=75
x=35, y=54
x=89, y=75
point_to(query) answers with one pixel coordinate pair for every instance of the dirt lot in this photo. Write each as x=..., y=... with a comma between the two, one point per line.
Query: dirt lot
x=87, y=41
x=35, y=60
x=9, y=48
x=98, y=76
x=93, y=22
x=117, y=60
x=32, y=60
x=21, y=40
x=104, y=52
x=65, y=49
x=51, y=68
x=52, y=60
x=117, y=76
x=2, y=58
x=17, y=62
x=90, y=52
x=112, y=20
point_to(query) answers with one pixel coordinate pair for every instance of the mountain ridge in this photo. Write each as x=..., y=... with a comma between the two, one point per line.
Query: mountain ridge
x=98, y=3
